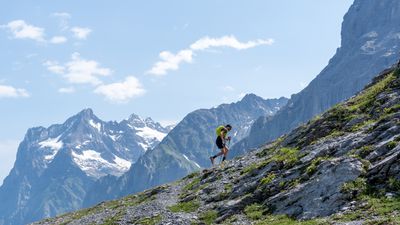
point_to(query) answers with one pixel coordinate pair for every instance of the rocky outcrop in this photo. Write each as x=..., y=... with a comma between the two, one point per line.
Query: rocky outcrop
x=370, y=43
x=341, y=167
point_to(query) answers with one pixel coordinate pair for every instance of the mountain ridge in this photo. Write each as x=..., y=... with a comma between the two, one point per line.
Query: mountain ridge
x=370, y=43
x=341, y=167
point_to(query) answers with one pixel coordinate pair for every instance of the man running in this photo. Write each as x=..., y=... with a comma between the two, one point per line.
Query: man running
x=221, y=131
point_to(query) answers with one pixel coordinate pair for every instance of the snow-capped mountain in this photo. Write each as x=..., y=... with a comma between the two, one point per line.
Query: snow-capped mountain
x=55, y=166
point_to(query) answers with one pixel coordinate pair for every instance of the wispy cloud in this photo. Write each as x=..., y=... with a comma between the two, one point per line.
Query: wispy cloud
x=12, y=92
x=81, y=32
x=22, y=30
x=123, y=91
x=227, y=41
x=63, y=18
x=228, y=88
x=58, y=40
x=54, y=67
x=79, y=71
x=170, y=61
x=67, y=90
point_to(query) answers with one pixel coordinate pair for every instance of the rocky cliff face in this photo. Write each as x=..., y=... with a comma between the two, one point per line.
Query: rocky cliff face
x=186, y=148
x=340, y=168
x=370, y=43
x=56, y=166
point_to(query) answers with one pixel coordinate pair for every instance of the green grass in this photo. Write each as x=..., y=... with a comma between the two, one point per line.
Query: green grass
x=227, y=191
x=367, y=98
x=135, y=200
x=392, y=109
x=254, y=211
x=288, y=156
x=192, y=184
x=394, y=184
x=150, y=220
x=268, y=179
x=391, y=145
x=358, y=185
x=190, y=206
x=335, y=133
x=285, y=220
x=208, y=217
x=253, y=167
x=358, y=127
x=366, y=150
x=376, y=210
x=190, y=176
x=272, y=147
x=312, y=168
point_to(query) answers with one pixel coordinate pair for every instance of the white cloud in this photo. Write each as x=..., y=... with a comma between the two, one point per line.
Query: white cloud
x=58, y=40
x=81, y=32
x=67, y=90
x=54, y=67
x=121, y=92
x=169, y=61
x=227, y=41
x=12, y=92
x=79, y=71
x=228, y=88
x=21, y=30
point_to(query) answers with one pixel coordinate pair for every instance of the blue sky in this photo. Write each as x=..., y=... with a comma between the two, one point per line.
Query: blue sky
x=161, y=59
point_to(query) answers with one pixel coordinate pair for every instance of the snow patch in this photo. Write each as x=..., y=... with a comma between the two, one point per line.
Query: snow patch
x=191, y=161
x=369, y=47
x=54, y=145
x=95, y=125
x=122, y=162
x=114, y=137
x=149, y=134
x=144, y=146
x=96, y=166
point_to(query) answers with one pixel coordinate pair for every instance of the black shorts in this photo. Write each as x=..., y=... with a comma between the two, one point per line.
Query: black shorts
x=220, y=143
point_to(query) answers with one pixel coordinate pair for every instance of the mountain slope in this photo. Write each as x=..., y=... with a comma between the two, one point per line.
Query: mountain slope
x=56, y=166
x=370, y=43
x=342, y=166
x=186, y=148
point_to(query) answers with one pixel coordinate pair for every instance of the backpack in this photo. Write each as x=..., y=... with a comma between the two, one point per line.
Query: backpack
x=219, y=130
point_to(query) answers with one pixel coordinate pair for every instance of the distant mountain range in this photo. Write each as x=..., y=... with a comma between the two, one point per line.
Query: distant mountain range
x=56, y=166
x=370, y=43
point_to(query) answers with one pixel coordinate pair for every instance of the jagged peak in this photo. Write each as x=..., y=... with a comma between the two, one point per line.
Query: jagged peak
x=86, y=113
x=251, y=97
